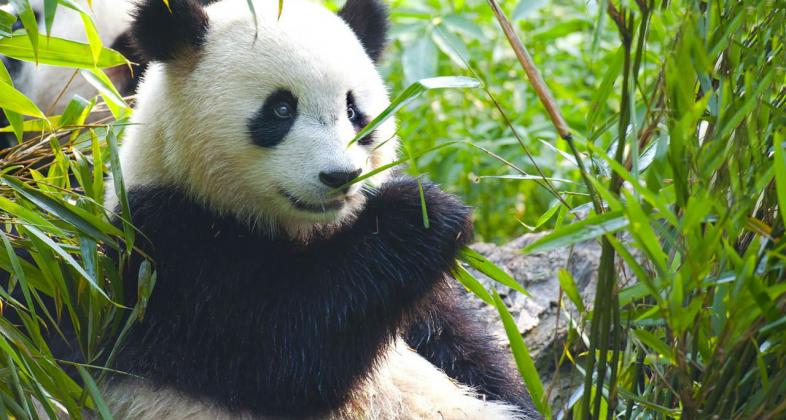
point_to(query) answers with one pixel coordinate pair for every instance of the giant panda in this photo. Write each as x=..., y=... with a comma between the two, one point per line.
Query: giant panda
x=281, y=290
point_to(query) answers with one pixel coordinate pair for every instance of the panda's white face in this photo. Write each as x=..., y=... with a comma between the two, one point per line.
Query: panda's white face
x=260, y=127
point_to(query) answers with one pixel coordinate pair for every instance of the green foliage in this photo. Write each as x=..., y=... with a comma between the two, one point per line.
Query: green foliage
x=51, y=195
x=50, y=200
x=676, y=110
x=453, y=38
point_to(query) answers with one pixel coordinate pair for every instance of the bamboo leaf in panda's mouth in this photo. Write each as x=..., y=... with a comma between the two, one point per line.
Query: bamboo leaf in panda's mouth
x=390, y=165
x=411, y=93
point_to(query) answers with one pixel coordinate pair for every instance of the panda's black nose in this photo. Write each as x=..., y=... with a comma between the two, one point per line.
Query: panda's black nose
x=335, y=179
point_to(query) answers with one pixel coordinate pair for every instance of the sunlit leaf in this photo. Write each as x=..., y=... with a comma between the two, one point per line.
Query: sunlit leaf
x=16, y=101
x=589, y=228
x=482, y=264
x=60, y=52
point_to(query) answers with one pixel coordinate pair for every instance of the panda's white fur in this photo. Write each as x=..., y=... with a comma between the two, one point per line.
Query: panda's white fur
x=190, y=130
x=308, y=48
x=44, y=83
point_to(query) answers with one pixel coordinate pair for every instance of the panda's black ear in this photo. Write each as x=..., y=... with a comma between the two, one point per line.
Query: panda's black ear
x=369, y=19
x=160, y=33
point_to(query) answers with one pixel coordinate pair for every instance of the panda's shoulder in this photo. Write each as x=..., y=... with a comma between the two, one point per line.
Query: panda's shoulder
x=168, y=217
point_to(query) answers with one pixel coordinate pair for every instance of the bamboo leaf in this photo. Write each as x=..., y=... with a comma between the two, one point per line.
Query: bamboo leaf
x=27, y=16
x=120, y=190
x=523, y=359
x=480, y=263
x=86, y=223
x=99, y=80
x=12, y=99
x=95, y=394
x=67, y=257
x=472, y=284
x=569, y=286
x=589, y=228
x=412, y=93
x=60, y=52
x=50, y=8
x=7, y=21
x=654, y=343
x=780, y=173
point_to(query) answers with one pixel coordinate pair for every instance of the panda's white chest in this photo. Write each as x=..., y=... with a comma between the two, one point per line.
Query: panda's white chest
x=404, y=386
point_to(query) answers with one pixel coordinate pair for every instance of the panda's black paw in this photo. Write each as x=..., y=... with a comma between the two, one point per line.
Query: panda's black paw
x=399, y=209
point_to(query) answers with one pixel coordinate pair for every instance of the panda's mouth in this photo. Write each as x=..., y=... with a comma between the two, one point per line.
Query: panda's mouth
x=321, y=207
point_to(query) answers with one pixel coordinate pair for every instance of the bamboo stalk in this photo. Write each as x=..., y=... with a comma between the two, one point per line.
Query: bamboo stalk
x=541, y=89
x=545, y=96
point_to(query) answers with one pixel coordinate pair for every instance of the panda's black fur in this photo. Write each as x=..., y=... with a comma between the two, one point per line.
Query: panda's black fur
x=447, y=332
x=369, y=21
x=161, y=31
x=273, y=326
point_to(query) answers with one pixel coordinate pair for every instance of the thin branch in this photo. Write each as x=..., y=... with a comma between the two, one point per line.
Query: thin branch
x=545, y=96
x=541, y=89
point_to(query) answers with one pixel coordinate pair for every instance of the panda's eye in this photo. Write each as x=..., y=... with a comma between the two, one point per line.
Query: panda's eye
x=355, y=116
x=283, y=110
x=352, y=114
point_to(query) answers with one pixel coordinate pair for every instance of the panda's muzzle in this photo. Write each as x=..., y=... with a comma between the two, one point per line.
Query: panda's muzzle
x=322, y=207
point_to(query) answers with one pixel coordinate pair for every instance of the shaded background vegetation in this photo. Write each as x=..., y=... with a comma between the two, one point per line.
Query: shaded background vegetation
x=676, y=110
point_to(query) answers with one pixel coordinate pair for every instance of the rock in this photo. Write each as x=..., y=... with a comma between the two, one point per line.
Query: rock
x=542, y=324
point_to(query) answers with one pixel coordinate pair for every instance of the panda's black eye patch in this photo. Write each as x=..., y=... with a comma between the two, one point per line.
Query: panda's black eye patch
x=358, y=119
x=275, y=118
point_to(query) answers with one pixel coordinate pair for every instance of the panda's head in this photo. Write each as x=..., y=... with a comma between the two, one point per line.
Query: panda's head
x=256, y=121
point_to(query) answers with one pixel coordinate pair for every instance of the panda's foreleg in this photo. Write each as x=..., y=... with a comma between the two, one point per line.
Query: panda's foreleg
x=339, y=302
x=446, y=332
